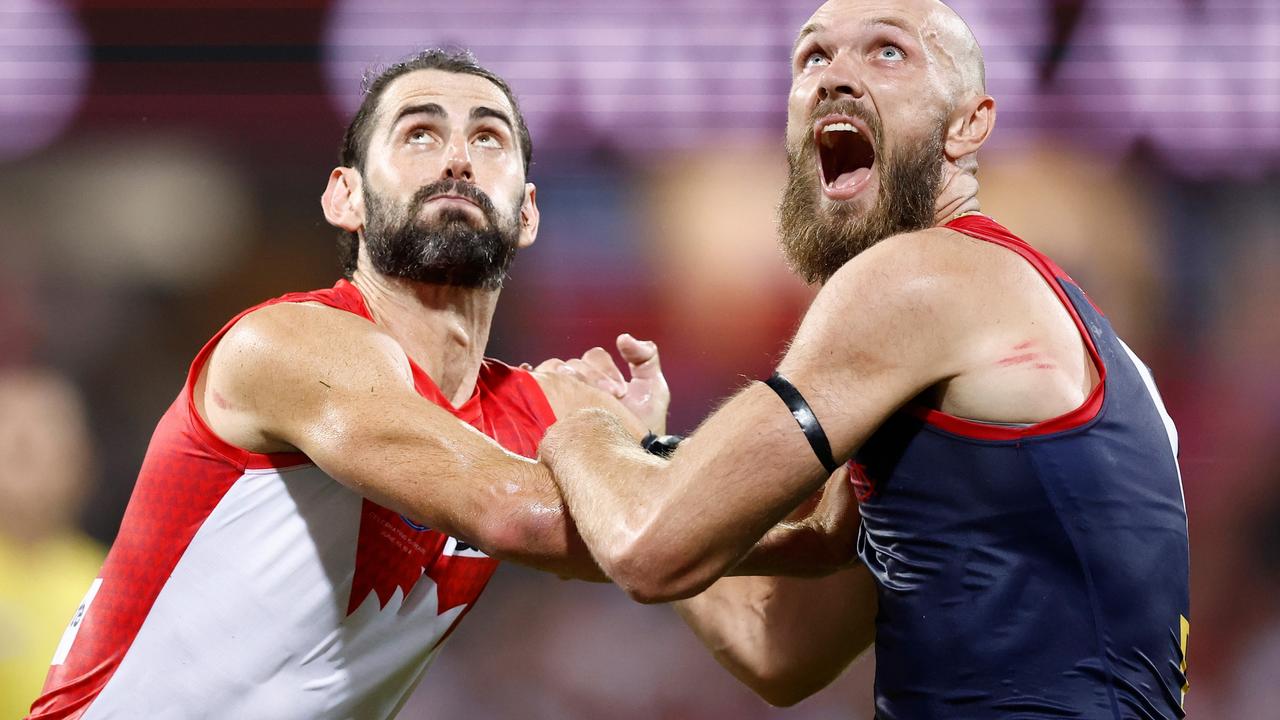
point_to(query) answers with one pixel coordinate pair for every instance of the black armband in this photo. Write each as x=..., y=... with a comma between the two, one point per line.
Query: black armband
x=661, y=445
x=803, y=414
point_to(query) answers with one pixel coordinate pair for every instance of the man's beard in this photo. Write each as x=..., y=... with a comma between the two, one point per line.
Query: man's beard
x=447, y=249
x=817, y=243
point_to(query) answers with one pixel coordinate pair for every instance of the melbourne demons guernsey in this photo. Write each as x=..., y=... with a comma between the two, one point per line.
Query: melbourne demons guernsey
x=1030, y=572
x=255, y=586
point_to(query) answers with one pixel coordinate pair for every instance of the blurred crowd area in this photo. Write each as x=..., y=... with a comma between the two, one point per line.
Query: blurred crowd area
x=161, y=166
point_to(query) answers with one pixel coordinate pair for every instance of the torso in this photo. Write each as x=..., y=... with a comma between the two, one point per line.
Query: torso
x=253, y=585
x=1035, y=569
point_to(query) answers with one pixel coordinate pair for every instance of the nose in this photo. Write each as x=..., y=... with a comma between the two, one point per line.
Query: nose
x=840, y=79
x=457, y=164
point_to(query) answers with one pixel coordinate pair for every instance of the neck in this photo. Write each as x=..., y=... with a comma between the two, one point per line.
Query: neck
x=444, y=329
x=959, y=195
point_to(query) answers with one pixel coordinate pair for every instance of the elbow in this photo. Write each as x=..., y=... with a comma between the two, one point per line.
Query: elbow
x=523, y=535
x=780, y=685
x=654, y=570
x=782, y=697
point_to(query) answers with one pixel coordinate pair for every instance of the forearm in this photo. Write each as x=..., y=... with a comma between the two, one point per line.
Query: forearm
x=539, y=533
x=785, y=638
x=453, y=479
x=530, y=525
x=738, y=620
x=794, y=549
x=667, y=530
x=608, y=505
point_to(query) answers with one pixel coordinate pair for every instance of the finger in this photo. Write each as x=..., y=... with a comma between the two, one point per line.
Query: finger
x=600, y=358
x=593, y=376
x=641, y=355
x=549, y=365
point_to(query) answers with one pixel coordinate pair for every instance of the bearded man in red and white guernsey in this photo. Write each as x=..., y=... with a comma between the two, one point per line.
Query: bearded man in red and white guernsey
x=305, y=528
x=325, y=499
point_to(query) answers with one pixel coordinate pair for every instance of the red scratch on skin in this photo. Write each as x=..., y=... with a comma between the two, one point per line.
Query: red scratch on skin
x=220, y=401
x=1022, y=346
x=1045, y=366
x=1018, y=359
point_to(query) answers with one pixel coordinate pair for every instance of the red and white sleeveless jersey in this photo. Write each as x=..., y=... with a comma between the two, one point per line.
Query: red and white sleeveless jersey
x=256, y=586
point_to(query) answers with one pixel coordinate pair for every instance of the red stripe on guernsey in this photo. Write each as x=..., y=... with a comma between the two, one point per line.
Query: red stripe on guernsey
x=982, y=227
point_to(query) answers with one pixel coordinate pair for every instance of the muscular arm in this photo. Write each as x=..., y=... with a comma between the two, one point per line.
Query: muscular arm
x=335, y=387
x=885, y=328
x=785, y=638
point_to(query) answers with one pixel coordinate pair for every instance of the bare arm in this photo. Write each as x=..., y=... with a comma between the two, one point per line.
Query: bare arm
x=885, y=328
x=785, y=638
x=335, y=387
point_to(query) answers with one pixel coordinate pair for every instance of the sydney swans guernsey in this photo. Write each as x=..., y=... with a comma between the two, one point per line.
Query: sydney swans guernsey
x=259, y=586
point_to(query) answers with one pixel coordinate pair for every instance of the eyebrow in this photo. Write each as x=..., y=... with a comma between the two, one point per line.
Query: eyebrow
x=424, y=109
x=436, y=110
x=814, y=27
x=481, y=111
x=805, y=32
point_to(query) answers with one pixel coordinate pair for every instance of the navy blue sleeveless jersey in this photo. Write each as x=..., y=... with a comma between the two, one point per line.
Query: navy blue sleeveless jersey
x=1030, y=572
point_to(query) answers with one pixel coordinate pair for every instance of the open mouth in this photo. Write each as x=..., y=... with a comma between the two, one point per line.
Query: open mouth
x=845, y=155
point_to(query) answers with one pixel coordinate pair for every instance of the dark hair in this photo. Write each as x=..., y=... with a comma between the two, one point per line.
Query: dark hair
x=355, y=142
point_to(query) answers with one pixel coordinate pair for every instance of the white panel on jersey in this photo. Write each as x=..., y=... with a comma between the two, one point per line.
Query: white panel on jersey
x=73, y=628
x=1169, y=428
x=253, y=624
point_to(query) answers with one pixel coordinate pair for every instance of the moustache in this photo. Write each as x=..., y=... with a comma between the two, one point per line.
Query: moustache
x=453, y=187
x=852, y=108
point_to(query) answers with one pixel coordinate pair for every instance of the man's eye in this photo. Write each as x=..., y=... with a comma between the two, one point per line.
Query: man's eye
x=419, y=137
x=891, y=52
x=815, y=59
x=488, y=140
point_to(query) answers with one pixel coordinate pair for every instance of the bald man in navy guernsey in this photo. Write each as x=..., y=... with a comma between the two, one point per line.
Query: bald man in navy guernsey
x=1022, y=550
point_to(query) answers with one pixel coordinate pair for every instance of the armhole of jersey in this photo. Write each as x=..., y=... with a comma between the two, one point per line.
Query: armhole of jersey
x=239, y=457
x=1054, y=277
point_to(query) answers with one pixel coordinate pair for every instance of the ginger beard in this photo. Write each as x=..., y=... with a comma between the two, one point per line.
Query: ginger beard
x=818, y=240
x=450, y=248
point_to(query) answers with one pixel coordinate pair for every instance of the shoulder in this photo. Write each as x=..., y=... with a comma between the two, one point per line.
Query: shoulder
x=931, y=276
x=270, y=350
x=912, y=299
x=307, y=332
x=921, y=265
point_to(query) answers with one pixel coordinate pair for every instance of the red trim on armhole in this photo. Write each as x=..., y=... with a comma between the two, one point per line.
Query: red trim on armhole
x=984, y=228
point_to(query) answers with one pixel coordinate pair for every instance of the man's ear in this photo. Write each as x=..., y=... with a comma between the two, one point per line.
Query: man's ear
x=970, y=127
x=529, y=217
x=343, y=199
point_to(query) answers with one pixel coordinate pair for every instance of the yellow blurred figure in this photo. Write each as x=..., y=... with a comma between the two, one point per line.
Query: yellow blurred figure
x=46, y=563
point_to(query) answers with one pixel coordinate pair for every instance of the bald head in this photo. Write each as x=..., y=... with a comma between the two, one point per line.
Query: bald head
x=950, y=37
x=955, y=55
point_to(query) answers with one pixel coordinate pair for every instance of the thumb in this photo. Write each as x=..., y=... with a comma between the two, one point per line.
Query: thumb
x=641, y=355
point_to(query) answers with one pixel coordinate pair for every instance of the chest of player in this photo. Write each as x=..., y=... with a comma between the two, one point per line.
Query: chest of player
x=395, y=553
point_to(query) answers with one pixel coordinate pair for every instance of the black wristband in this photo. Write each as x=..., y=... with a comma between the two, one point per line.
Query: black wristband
x=803, y=414
x=660, y=445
